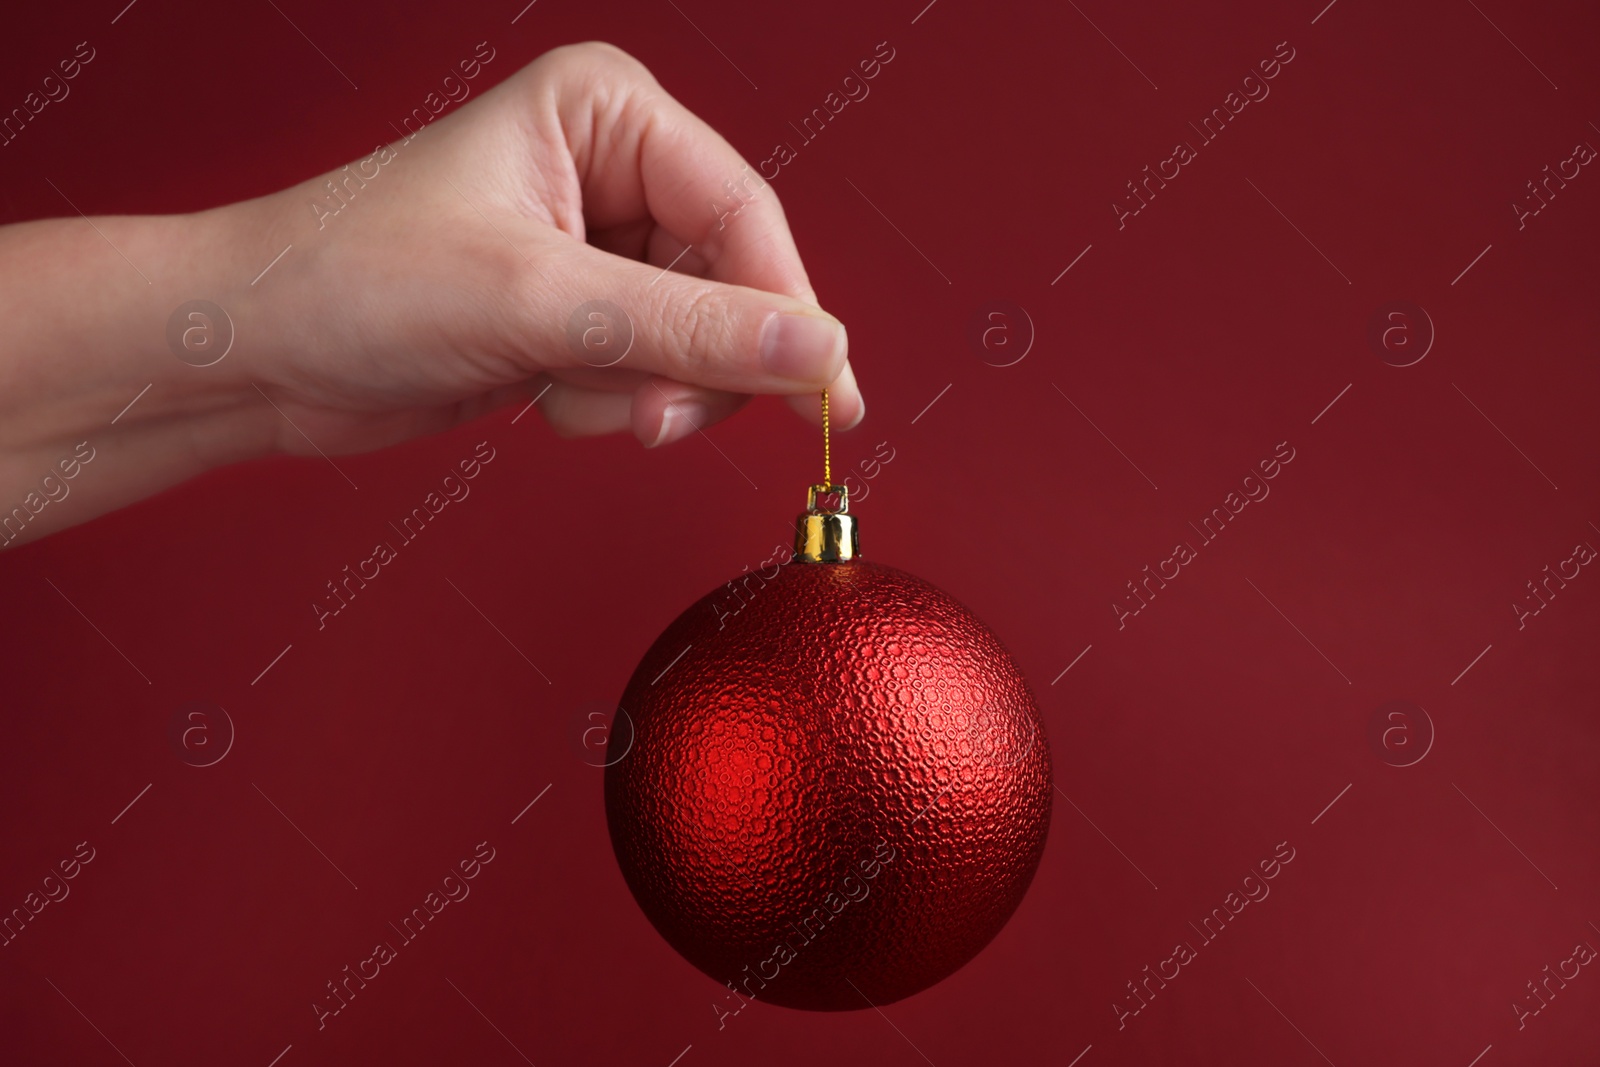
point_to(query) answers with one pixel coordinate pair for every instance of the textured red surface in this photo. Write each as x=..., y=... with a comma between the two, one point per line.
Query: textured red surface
x=835, y=792
x=1231, y=714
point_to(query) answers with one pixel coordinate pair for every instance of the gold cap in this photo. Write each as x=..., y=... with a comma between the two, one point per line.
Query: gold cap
x=825, y=532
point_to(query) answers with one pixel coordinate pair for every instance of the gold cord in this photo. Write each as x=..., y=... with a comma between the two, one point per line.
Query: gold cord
x=827, y=465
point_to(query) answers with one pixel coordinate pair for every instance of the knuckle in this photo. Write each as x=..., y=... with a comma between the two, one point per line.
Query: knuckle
x=591, y=55
x=507, y=286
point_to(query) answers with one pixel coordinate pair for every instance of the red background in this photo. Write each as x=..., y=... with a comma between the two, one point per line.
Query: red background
x=1196, y=738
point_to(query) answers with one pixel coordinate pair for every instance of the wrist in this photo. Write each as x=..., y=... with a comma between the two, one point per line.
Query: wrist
x=86, y=367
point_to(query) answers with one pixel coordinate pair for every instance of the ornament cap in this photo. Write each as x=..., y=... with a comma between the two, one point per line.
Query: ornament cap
x=825, y=532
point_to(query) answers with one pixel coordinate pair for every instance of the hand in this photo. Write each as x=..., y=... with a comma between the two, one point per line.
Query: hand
x=431, y=281
x=447, y=283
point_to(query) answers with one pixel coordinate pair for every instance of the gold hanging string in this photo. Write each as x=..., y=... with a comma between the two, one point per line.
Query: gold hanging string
x=827, y=464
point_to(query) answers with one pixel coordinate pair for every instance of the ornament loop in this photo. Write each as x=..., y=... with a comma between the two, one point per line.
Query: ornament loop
x=827, y=499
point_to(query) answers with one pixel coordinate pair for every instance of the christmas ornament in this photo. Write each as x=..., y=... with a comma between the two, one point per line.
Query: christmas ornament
x=837, y=796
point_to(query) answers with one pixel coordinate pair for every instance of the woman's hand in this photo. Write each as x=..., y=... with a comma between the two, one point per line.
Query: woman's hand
x=573, y=234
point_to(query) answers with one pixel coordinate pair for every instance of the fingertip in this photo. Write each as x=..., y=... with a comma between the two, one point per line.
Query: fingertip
x=803, y=346
x=846, y=407
x=665, y=411
x=678, y=420
x=853, y=407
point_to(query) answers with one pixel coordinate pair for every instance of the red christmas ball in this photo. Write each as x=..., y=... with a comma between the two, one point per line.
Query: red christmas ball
x=837, y=788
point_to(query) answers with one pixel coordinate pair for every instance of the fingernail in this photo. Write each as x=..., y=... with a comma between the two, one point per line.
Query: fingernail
x=680, y=419
x=845, y=385
x=861, y=413
x=801, y=347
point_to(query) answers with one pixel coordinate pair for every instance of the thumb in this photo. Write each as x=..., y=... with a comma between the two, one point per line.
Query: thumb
x=633, y=316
